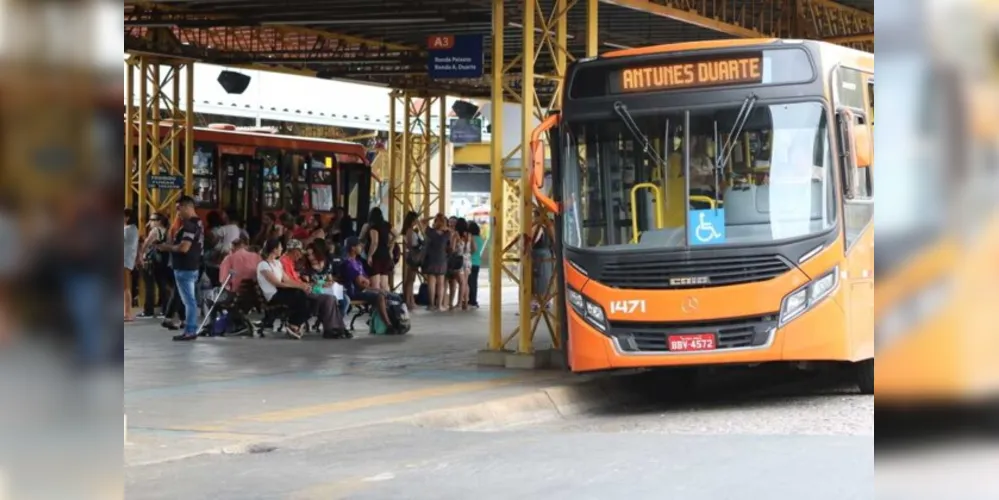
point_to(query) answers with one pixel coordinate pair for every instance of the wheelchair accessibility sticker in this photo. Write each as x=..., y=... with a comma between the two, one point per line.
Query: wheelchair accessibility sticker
x=706, y=227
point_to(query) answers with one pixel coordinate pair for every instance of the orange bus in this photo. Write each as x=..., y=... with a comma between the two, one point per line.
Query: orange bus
x=714, y=205
x=255, y=172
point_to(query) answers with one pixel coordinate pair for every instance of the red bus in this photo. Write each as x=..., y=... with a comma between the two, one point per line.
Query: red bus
x=252, y=173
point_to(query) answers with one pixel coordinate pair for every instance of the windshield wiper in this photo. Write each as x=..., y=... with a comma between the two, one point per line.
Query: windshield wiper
x=724, y=154
x=643, y=140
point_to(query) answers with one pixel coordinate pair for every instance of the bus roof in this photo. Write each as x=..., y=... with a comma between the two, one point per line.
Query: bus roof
x=858, y=58
x=265, y=140
x=686, y=46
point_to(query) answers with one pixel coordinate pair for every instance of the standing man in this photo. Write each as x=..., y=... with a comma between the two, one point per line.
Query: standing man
x=186, y=252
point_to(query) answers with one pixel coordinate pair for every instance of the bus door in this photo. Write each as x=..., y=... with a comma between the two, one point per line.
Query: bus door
x=236, y=180
x=355, y=194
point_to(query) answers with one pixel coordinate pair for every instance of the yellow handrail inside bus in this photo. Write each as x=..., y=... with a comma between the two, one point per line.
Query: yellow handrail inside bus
x=705, y=199
x=658, y=201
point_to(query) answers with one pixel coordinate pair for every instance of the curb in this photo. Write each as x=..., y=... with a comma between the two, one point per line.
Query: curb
x=544, y=405
x=541, y=405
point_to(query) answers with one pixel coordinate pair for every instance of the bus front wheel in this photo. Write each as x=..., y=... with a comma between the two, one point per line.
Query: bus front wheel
x=864, y=374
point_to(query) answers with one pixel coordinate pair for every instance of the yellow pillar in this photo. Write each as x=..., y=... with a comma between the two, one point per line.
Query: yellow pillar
x=526, y=344
x=426, y=165
x=409, y=147
x=130, y=136
x=592, y=28
x=393, y=155
x=497, y=184
x=442, y=164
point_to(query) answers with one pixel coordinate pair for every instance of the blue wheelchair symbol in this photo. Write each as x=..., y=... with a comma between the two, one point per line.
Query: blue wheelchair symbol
x=706, y=227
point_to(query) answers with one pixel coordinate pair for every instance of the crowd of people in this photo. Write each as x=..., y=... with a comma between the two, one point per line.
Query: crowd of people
x=309, y=265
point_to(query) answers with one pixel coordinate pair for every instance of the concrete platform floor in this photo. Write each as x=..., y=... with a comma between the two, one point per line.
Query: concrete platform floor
x=221, y=395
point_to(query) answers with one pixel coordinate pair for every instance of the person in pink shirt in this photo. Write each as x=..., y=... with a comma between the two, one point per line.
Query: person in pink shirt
x=242, y=262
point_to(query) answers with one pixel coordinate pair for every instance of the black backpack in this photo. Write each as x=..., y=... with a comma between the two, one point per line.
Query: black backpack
x=398, y=315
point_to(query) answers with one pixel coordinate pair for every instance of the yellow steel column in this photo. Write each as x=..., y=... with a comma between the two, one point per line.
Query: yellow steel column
x=442, y=164
x=143, y=137
x=409, y=146
x=592, y=28
x=497, y=185
x=188, y=128
x=526, y=345
x=393, y=179
x=425, y=165
x=130, y=187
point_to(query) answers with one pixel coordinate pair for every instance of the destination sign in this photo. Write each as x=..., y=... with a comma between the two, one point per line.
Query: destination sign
x=691, y=74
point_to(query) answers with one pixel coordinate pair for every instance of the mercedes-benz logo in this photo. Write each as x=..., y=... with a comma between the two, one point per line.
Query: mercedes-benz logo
x=690, y=304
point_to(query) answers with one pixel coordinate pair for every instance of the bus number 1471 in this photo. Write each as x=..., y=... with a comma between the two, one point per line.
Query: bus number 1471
x=627, y=306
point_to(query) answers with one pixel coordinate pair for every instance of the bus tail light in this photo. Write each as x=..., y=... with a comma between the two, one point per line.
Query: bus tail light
x=804, y=298
x=591, y=312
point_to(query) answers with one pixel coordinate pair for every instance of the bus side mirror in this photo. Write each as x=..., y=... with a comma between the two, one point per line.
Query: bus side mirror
x=854, y=149
x=537, y=172
x=863, y=147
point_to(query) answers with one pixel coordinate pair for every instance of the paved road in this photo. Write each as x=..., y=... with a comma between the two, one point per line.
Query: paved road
x=810, y=439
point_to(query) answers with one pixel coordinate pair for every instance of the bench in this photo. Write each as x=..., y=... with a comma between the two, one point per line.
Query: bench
x=360, y=309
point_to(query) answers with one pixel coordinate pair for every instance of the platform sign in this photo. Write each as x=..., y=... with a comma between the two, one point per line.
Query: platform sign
x=706, y=227
x=455, y=56
x=165, y=181
x=464, y=131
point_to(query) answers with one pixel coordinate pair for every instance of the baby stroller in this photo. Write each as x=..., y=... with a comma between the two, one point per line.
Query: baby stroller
x=228, y=314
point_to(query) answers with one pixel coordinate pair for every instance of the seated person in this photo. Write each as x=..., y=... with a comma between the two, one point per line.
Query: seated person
x=280, y=289
x=324, y=306
x=357, y=284
x=320, y=273
x=242, y=263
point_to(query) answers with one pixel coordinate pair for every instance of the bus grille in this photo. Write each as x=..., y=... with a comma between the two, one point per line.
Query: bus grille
x=731, y=333
x=690, y=273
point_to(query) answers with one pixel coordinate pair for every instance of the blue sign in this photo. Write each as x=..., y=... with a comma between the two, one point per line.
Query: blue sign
x=455, y=56
x=466, y=131
x=165, y=181
x=706, y=227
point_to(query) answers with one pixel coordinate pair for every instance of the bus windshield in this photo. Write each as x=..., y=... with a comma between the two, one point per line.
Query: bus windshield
x=777, y=182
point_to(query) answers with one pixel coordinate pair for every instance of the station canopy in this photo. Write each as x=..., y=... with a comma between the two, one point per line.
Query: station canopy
x=388, y=42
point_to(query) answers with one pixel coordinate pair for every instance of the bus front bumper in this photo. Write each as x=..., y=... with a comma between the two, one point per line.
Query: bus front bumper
x=817, y=335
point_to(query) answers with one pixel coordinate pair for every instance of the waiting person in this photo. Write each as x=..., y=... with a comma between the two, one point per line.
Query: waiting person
x=414, y=254
x=381, y=239
x=242, y=263
x=542, y=259
x=186, y=254
x=225, y=234
x=131, y=256
x=464, y=247
x=279, y=289
x=473, y=276
x=325, y=306
x=359, y=287
x=156, y=274
x=266, y=228
x=435, y=262
x=321, y=272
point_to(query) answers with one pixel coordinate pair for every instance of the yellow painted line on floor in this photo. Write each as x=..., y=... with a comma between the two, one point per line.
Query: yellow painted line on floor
x=381, y=400
x=304, y=412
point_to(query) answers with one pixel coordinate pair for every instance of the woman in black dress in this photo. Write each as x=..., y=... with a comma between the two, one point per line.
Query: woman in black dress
x=381, y=239
x=435, y=262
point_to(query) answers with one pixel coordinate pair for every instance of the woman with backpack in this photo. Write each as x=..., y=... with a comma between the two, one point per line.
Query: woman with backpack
x=156, y=275
x=414, y=253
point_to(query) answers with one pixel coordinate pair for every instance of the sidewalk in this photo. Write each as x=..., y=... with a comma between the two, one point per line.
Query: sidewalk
x=223, y=395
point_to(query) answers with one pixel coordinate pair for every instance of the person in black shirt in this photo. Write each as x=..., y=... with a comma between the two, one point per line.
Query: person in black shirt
x=186, y=252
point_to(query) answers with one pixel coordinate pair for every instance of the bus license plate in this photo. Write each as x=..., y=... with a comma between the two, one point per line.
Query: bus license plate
x=689, y=343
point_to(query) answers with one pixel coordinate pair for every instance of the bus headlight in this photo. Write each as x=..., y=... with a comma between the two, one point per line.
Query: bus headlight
x=805, y=298
x=590, y=311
